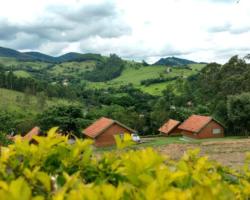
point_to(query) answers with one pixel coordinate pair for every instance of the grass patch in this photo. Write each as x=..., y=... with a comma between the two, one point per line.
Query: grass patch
x=134, y=76
x=72, y=68
x=159, y=141
x=22, y=73
x=15, y=102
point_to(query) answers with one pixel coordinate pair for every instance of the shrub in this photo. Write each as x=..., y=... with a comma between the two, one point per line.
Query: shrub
x=148, y=82
x=54, y=169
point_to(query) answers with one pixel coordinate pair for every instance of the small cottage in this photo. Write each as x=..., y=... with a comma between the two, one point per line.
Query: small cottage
x=198, y=127
x=103, y=131
x=29, y=136
x=170, y=128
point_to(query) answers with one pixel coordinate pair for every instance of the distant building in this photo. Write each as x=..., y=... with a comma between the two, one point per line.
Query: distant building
x=29, y=136
x=197, y=126
x=103, y=131
x=33, y=132
x=190, y=103
x=65, y=82
x=170, y=128
x=168, y=70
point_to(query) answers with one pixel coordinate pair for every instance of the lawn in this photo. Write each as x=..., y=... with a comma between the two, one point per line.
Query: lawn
x=161, y=141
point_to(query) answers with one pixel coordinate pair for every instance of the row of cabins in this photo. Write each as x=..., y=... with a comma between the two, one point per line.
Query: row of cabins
x=196, y=126
x=103, y=130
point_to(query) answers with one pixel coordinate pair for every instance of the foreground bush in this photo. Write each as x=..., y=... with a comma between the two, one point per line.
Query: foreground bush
x=55, y=169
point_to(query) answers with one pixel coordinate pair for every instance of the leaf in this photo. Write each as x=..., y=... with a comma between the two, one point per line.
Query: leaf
x=20, y=189
x=52, y=132
x=125, y=142
x=44, y=179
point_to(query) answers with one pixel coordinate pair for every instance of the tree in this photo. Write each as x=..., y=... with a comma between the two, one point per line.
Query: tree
x=144, y=63
x=27, y=96
x=7, y=122
x=69, y=119
x=4, y=140
x=41, y=100
x=238, y=108
x=106, y=70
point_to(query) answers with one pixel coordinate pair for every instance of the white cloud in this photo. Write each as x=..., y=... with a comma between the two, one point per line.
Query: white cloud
x=202, y=30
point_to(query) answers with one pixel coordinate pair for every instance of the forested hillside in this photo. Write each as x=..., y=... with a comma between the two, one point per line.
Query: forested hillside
x=224, y=89
x=173, y=61
x=137, y=94
x=219, y=90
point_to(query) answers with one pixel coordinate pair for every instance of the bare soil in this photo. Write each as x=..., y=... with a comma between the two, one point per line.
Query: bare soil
x=230, y=153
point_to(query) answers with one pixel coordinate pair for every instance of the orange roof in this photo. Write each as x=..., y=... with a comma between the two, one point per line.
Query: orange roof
x=33, y=132
x=97, y=127
x=101, y=125
x=169, y=126
x=195, y=123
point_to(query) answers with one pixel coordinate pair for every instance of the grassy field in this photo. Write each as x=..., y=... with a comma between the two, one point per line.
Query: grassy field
x=160, y=141
x=136, y=75
x=22, y=65
x=16, y=102
x=133, y=73
x=72, y=68
x=22, y=73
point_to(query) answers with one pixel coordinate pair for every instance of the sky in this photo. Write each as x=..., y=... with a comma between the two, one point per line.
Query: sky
x=200, y=30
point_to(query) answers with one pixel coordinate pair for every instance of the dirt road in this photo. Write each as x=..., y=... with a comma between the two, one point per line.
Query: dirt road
x=231, y=153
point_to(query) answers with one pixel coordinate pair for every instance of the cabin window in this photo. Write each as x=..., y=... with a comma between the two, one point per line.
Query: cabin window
x=216, y=131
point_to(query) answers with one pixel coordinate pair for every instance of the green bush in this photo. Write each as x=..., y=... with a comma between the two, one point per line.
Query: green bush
x=54, y=169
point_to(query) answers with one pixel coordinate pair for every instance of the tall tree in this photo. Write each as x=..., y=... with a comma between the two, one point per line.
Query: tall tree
x=238, y=107
x=70, y=119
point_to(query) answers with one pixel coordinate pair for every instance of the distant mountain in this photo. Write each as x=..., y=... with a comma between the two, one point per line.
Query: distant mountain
x=79, y=57
x=6, y=52
x=37, y=56
x=173, y=61
x=40, y=56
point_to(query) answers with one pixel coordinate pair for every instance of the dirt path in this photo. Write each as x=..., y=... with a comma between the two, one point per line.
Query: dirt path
x=231, y=153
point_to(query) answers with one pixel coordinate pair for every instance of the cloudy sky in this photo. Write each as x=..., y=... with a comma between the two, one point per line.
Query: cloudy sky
x=201, y=30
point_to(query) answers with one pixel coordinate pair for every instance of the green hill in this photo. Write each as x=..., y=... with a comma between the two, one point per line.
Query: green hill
x=41, y=57
x=10, y=53
x=135, y=75
x=173, y=61
x=77, y=68
x=19, y=102
x=37, y=56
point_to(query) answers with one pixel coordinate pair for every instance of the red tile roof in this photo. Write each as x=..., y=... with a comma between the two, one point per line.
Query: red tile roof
x=101, y=125
x=33, y=132
x=195, y=123
x=98, y=127
x=169, y=126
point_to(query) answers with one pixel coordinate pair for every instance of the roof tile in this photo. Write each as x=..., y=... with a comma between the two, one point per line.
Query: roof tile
x=97, y=127
x=195, y=123
x=169, y=126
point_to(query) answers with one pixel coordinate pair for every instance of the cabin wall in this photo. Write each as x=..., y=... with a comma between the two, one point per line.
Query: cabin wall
x=206, y=132
x=175, y=132
x=107, y=137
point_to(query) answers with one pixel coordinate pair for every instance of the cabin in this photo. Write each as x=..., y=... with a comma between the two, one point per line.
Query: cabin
x=199, y=127
x=33, y=132
x=170, y=128
x=29, y=136
x=103, y=131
